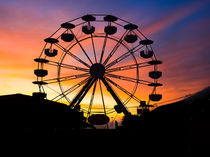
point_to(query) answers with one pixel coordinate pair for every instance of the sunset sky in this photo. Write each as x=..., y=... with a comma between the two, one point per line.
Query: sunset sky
x=180, y=30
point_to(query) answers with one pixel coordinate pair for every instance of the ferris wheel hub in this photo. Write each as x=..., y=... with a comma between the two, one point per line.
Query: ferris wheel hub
x=97, y=70
x=110, y=50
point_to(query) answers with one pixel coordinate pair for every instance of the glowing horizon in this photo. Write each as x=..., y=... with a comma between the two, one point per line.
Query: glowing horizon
x=181, y=45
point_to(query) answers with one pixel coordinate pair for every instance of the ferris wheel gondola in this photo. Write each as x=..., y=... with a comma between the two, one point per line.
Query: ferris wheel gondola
x=94, y=56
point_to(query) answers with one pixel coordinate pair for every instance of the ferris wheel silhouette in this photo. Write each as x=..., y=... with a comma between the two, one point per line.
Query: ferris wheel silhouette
x=96, y=60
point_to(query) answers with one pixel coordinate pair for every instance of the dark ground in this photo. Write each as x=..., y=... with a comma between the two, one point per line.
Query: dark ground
x=180, y=128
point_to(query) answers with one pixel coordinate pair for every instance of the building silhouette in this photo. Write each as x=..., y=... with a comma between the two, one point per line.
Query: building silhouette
x=181, y=127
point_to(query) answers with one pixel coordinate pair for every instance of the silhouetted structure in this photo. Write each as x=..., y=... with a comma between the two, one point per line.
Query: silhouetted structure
x=104, y=67
x=30, y=114
x=181, y=128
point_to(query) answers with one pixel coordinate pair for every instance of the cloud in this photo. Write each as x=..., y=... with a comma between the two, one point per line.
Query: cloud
x=172, y=18
x=23, y=28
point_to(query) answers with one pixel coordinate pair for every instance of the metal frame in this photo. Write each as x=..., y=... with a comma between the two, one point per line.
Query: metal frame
x=90, y=81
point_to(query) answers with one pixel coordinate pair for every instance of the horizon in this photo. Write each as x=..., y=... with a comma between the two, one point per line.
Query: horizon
x=179, y=31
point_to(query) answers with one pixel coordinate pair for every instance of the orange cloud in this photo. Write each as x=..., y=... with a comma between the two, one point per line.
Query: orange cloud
x=21, y=41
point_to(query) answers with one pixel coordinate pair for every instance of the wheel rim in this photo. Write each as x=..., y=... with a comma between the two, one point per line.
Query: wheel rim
x=96, y=71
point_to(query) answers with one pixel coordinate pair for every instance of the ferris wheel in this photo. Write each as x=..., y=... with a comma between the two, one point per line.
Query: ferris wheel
x=97, y=64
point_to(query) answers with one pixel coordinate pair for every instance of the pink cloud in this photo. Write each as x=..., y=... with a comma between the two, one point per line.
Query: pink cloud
x=172, y=18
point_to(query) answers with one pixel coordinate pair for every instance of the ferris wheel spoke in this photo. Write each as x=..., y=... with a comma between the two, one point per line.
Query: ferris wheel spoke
x=124, y=90
x=128, y=67
x=55, y=32
x=116, y=98
x=78, y=98
x=74, y=19
x=70, y=90
x=72, y=55
x=94, y=51
x=102, y=97
x=91, y=99
x=153, y=51
x=43, y=50
x=104, y=59
x=65, y=78
x=115, y=48
x=141, y=33
x=125, y=55
x=134, y=80
x=81, y=47
x=103, y=48
x=68, y=66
